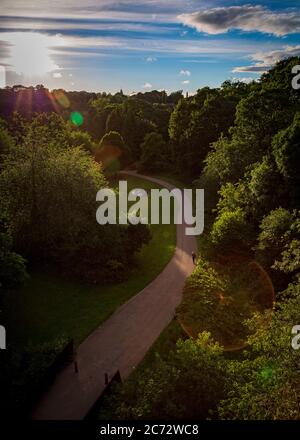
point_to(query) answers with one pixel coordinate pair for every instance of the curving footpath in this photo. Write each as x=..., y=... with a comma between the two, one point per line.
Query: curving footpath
x=121, y=342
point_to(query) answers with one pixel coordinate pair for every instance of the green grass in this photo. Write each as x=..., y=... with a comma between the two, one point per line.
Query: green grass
x=49, y=306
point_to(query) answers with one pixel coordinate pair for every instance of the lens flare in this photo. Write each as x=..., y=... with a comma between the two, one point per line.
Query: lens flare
x=267, y=373
x=76, y=118
x=61, y=98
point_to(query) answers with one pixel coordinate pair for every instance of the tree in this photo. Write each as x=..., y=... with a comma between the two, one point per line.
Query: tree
x=198, y=121
x=265, y=385
x=138, y=121
x=266, y=187
x=112, y=151
x=230, y=229
x=6, y=140
x=289, y=260
x=154, y=155
x=286, y=150
x=186, y=384
x=54, y=221
x=114, y=120
x=273, y=235
x=12, y=265
x=79, y=138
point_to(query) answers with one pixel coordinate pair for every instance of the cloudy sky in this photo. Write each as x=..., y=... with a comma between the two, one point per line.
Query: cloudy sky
x=106, y=45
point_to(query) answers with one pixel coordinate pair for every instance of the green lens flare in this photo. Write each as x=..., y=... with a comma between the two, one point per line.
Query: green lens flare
x=267, y=373
x=76, y=118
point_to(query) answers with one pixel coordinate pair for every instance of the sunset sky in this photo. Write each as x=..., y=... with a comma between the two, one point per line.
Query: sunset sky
x=106, y=45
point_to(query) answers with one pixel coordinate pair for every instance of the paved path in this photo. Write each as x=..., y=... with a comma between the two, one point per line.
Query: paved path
x=121, y=342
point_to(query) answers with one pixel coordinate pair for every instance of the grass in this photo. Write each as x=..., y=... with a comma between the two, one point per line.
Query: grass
x=49, y=306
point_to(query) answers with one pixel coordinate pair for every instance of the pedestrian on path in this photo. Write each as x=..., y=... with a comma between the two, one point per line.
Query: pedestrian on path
x=194, y=257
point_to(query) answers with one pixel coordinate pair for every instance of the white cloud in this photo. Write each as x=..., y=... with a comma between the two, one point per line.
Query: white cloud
x=57, y=75
x=151, y=59
x=130, y=10
x=255, y=68
x=185, y=73
x=147, y=85
x=246, y=79
x=263, y=61
x=186, y=81
x=246, y=18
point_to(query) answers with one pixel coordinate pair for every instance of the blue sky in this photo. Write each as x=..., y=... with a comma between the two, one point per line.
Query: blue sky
x=106, y=45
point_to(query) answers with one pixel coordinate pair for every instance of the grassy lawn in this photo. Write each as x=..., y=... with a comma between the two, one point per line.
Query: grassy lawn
x=48, y=306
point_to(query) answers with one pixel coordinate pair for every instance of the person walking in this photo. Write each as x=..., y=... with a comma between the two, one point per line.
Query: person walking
x=194, y=257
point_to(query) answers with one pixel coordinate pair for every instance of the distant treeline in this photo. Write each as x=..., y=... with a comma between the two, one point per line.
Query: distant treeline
x=161, y=131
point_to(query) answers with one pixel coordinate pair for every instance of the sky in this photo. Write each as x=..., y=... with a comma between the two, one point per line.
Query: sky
x=108, y=45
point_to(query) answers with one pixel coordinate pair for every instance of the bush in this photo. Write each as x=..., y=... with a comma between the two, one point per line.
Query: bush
x=185, y=385
x=230, y=229
x=24, y=376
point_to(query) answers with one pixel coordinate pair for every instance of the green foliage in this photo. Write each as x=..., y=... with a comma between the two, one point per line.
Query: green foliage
x=286, y=150
x=266, y=188
x=79, y=138
x=206, y=276
x=273, y=235
x=186, y=384
x=289, y=261
x=12, y=265
x=265, y=385
x=23, y=376
x=230, y=230
x=112, y=138
x=280, y=77
x=112, y=152
x=133, y=117
x=154, y=155
x=220, y=297
x=6, y=140
x=114, y=120
x=244, y=143
x=197, y=122
x=54, y=221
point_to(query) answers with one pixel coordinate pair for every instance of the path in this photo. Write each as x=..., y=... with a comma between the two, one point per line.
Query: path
x=121, y=342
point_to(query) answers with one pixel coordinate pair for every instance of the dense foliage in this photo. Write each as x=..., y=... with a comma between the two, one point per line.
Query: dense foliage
x=48, y=186
x=249, y=167
x=242, y=144
x=185, y=384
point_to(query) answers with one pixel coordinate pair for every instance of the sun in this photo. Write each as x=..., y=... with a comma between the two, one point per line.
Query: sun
x=31, y=53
